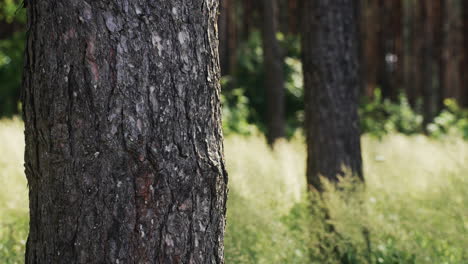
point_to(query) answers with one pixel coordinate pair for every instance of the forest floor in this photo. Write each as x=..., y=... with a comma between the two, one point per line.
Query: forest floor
x=413, y=208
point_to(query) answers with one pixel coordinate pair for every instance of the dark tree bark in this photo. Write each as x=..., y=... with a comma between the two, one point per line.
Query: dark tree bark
x=452, y=47
x=431, y=59
x=409, y=58
x=391, y=42
x=371, y=48
x=223, y=36
x=383, y=46
x=247, y=18
x=464, y=101
x=227, y=36
x=332, y=81
x=274, y=75
x=293, y=16
x=124, y=154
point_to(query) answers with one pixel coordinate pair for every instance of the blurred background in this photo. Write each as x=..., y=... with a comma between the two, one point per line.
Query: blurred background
x=414, y=124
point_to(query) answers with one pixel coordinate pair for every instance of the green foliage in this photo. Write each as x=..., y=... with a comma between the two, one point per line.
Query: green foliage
x=452, y=120
x=11, y=63
x=11, y=57
x=236, y=112
x=381, y=116
x=248, y=79
x=245, y=103
x=9, y=10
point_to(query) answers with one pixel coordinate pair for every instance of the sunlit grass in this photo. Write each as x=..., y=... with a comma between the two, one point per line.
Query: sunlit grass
x=414, y=204
x=13, y=192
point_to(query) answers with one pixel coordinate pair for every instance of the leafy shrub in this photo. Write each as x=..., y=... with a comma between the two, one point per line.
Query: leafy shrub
x=248, y=80
x=381, y=116
x=236, y=112
x=11, y=57
x=452, y=120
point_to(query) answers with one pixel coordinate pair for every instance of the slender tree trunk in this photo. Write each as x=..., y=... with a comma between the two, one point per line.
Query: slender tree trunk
x=464, y=101
x=452, y=47
x=431, y=59
x=227, y=36
x=392, y=45
x=293, y=16
x=372, y=53
x=408, y=57
x=223, y=36
x=124, y=154
x=247, y=18
x=232, y=35
x=332, y=81
x=416, y=71
x=274, y=75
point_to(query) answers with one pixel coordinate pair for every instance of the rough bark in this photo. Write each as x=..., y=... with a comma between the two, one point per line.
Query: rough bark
x=123, y=139
x=274, y=75
x=332, y=81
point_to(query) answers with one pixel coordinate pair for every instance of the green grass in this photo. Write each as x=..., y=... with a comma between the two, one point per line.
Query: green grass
x=414, y=205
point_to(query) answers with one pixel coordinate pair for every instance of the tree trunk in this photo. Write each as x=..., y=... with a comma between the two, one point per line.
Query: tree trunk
x=332, y=81
x=227, y=36
x=415, y=77
x=274, y=76
x=392, y=45
x=124, y=154
x=408, y=55
x=247, y=18
x=464, y=101
x=293, y=16
x=452, y=48
x=223, y=36
x=431, y=59
x=372, y=53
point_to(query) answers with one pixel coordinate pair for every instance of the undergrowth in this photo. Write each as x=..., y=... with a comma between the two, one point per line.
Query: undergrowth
x=412, y=209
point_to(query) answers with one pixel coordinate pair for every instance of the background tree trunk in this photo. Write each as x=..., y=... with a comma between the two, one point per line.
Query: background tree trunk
x=124, y=154
x=409, y=59
x=294, y=16
x=223, y=36
x=274, y=75
x=431, y=59
x=332, y=81
x=464, y=101
x=227, y=36
x=391, y=40
x=452, y=47
x=372, y=53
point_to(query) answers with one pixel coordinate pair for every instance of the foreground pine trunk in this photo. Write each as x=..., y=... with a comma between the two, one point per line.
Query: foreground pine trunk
x=331, y=83
x=123, y=136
